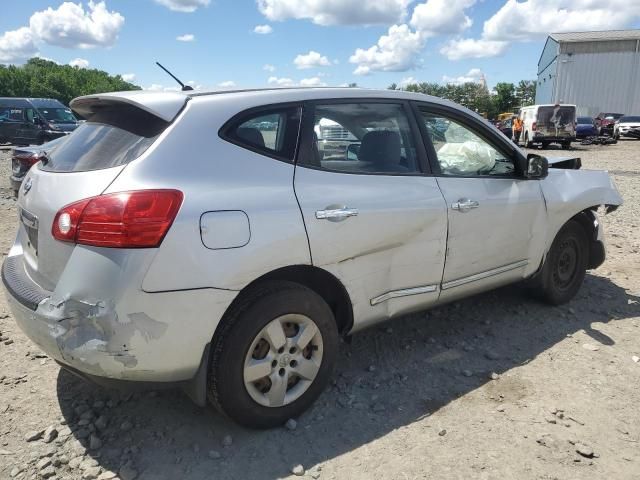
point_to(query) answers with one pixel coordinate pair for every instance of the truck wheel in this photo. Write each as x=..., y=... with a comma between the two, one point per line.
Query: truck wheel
x=273, y=355
x=566, y=145
x=565, y=266
x=545, y=145
x=527, y=143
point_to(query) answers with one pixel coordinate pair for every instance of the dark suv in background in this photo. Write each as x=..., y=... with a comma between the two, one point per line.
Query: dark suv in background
x=27, y=121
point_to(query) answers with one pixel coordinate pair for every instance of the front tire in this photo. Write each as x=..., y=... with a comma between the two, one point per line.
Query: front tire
x=273, y=355
x=565, y=266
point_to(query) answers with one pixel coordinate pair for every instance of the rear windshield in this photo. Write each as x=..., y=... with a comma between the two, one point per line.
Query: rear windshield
x=556, y=116
x=629, y=119
x=111, y=137
x=585, y=120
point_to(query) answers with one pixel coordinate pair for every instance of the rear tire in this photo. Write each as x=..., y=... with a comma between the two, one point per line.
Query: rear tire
x=273, y=355
x=566, y=145
x=565, y=266
x=527, y=143
x=545, y=145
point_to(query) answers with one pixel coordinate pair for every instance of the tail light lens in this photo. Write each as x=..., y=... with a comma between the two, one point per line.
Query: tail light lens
x=138, y=219
x=533, y=126
x=25, y=160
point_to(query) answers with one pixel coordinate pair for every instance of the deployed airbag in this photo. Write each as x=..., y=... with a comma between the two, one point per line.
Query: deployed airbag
x=466, y=157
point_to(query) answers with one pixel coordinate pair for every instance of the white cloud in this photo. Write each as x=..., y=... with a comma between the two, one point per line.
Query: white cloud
x=79, y=62
x=440, y=17
x=281, y=82
x=471, y=48
x=128, y=77
x=187, y=37
x=407, y=81
x=311, y=60
x=336, y=12
x=17, y=45
x=187, y=6
x=227, y=84
x=312, y=82
x=269, y=68
x=474, y=75
x=533, y=19
x=394, y=52
x=288, y=82
x=70, y=26
x=263, y=29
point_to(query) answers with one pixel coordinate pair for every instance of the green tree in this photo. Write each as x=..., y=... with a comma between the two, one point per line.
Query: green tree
x=526, y=93
x=505, y=97
x=43, y=78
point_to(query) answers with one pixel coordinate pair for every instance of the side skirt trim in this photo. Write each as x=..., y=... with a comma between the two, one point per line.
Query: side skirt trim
x=483, y=275
x=403, y=293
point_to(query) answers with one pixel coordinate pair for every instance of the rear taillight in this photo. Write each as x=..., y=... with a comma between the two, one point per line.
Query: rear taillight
x=26, y=160
x=533, y=126
x=138, y=219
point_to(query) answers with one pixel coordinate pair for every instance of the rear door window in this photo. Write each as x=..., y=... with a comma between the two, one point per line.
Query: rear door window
x=271, y=131
x=113, y=136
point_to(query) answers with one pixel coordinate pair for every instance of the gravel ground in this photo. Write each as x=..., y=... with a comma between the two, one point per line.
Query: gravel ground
x=494, y=387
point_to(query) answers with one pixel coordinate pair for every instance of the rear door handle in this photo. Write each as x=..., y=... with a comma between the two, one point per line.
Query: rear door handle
x=464, y=205
x=336, y=214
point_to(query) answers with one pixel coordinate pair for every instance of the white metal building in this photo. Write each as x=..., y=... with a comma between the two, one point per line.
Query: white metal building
x=597, y=71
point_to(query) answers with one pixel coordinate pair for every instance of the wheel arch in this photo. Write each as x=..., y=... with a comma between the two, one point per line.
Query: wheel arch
x=321, y=282
x=587, y=219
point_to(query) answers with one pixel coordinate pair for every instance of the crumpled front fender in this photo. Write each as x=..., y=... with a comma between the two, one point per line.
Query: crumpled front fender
x=569, y=192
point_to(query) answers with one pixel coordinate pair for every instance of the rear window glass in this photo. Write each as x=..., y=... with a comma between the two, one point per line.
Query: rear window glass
x=585, y=120
x=94, y=146
x=111, y=137
x=629, y=119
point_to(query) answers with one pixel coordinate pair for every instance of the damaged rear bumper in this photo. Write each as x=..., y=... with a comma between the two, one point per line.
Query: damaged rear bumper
x=140, y=336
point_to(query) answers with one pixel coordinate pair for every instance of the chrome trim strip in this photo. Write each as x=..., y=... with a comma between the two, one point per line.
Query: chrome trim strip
x=405, y=292
x=483, y=275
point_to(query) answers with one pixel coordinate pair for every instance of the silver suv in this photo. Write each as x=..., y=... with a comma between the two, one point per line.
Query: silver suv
x=214, y=241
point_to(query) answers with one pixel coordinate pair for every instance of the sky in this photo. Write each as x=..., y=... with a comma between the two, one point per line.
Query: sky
x=215, y=44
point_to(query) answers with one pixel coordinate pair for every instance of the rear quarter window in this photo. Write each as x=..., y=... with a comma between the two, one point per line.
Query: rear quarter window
x=271, y=131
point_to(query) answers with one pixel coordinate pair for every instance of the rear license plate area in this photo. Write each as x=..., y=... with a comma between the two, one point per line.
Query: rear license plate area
x=30, y=222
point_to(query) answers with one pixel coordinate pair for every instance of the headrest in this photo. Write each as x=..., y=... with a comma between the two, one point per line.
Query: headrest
x=251, y=135
x=381, y=147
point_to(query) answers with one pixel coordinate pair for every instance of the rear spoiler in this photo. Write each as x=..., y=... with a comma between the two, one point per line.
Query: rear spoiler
x=163, y=105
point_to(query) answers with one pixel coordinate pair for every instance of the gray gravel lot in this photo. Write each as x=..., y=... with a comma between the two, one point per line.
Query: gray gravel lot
x=493, y=387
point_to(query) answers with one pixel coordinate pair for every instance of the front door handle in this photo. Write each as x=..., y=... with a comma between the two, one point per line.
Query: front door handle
x=464, y=205
x=336, y=214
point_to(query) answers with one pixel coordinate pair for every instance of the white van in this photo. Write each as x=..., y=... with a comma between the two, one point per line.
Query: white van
x=545, y=124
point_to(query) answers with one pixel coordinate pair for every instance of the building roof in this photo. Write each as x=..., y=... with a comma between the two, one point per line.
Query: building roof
x=605, y=35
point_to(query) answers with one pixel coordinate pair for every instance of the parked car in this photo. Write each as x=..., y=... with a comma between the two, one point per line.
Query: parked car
x=545, y=124
x=627, y=126
x=27, y=121
x=23, y=158
x=506, y=127
x=586, y=127
x=606, y=121
x=235, y=277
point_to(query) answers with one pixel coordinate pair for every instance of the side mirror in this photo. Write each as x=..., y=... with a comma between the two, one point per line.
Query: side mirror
x=537, y=167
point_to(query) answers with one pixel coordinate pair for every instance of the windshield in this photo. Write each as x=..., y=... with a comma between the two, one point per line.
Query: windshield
x=585, y=120
x=58, y=115
x=629, y=119
x=612, y=116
